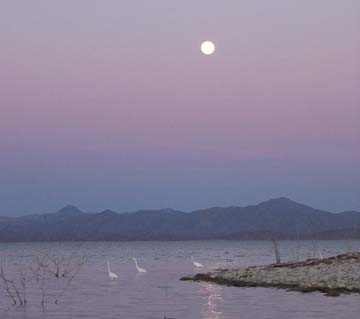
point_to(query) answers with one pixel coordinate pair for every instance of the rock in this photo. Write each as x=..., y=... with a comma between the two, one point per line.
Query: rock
x=332, y=276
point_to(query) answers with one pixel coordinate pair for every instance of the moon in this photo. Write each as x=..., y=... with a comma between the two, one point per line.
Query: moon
x=208, y=47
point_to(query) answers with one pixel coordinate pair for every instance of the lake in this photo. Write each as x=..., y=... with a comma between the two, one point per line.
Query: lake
x=159, y=293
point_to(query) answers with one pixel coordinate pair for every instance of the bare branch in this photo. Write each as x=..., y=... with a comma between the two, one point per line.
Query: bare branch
x=276, y=248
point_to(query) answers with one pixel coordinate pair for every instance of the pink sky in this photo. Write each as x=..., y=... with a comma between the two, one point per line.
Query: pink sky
x=118, y=96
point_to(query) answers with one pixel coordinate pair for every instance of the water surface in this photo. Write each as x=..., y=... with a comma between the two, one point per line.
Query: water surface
x=159, y=293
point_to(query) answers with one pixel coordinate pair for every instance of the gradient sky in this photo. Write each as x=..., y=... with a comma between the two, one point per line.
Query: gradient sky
x=110, y=104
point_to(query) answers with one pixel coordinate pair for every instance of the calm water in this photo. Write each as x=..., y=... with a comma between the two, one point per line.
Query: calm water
x=159, y=293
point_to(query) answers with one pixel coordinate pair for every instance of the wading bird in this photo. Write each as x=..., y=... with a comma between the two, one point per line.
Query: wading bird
x=196, y=264
x=139, y=269
x=111, y=274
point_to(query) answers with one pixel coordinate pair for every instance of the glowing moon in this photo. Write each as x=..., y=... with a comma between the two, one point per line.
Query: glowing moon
x=208, y=47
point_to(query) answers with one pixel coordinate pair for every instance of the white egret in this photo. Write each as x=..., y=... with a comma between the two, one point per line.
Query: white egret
x=111, y=274
x=139, y=269
x=197, y=264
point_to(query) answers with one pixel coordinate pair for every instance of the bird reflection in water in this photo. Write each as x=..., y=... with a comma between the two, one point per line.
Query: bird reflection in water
x=214, y=300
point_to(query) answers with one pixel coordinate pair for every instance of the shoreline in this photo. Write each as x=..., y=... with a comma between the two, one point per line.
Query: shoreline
x=331, y=276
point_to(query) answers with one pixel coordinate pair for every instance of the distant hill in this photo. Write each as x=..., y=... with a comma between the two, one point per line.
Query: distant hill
x=279, y=218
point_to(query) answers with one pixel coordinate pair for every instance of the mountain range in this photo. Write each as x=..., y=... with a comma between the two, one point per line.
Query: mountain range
x=279, y=218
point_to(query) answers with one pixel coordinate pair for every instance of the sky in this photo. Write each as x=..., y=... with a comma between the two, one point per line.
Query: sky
x=111, y=104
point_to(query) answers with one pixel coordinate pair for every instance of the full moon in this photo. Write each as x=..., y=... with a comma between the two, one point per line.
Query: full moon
x=208, y=47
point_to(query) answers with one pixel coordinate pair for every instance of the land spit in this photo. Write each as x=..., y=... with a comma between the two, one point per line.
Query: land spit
x=332, y=275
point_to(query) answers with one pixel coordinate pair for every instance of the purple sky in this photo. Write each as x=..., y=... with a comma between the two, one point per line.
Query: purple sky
x=112, y=105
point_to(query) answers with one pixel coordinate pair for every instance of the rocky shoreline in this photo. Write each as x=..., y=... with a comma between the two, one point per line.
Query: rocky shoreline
x=332, y=275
